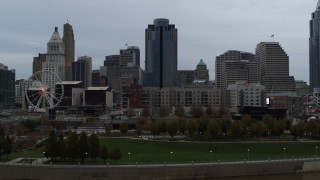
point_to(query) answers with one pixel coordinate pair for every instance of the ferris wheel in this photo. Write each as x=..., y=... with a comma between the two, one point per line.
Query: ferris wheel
x=44, y=89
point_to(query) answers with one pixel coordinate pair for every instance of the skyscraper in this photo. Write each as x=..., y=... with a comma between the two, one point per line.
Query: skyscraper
x=55, y=58
x=314, y=49
x=130, y=57
x=233, y=66
x=7, y=86
x=69, y=44
x=161, y=44
x=82, y=71
x=273, y=71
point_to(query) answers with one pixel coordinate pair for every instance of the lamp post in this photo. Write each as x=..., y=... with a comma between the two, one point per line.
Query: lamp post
x=248, y=153
x=171, y=154
x=210, y=156
x=284, y=153
x=44, y=155
x=316, y=152
x=129, y=157
x=86, y=155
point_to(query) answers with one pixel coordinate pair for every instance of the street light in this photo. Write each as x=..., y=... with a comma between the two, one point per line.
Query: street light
x=211, y=156
x=86, y=155
x=316, y=152
x=44, y=155
x=171, y=154
x=248, y=153
x=284, y=153
x=129, y=157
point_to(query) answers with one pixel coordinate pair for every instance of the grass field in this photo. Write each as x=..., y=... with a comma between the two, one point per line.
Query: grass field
x=149, y=152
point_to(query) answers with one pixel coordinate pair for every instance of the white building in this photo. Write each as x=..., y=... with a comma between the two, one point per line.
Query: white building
x=245, y=94
x=55, y=59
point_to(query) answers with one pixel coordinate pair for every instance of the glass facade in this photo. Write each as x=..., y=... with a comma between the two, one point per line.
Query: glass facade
x=161, y=55
x=314, y=51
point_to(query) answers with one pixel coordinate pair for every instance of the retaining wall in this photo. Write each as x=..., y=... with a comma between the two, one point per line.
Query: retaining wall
x=185, y=171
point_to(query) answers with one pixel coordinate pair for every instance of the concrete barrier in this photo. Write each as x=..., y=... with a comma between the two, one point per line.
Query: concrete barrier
x=168, y=171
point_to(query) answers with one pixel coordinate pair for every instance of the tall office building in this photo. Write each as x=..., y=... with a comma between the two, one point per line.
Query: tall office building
x=55, y=58
x=233, y=66
x=314, y=49
x=37, y=62
x=7, y=86
x=161, y=64
x=69, y=44
x=130, y=57
x=82, y=71
x=273, y=71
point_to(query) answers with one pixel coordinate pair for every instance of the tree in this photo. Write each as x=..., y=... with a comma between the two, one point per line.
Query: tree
x=196, y=111
x=163, y=112
x=116, y=154
x=155, y=128
x=179, y=111
x=192, y=127
x=209, y=110
x=162, y=126
x=172, y=127
x=124, y=128
x=7, y=146
x=300, y=129
x=107, y=129
x=72, y=146
x=202, y=124
x=140, y=124
x=214, y=129
x=259, y=129
x=94, y=147
x=182, y=125
x=278, y=127
x=225, y=125
x=236, y=129
x=246, y=120
x=62, y=147
x=51, y=149
x=145, y=112
x=104, y=154
x=83, y=146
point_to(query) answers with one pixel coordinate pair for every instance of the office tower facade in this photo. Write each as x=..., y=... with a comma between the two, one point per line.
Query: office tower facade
x=233, y=66
x=96, y=78
x=69, y=44
x=314, y=49
x=161, y=45
x=55, y=59
x=130, y=57
x=112, y=61
x=82, y=71
x=273, y=71
x=7, y=86
x=37, y=62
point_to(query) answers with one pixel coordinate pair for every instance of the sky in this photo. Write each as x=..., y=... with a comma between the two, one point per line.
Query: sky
x=206, y=29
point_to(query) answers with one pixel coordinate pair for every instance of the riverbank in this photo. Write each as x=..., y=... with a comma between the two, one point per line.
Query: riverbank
x=163, y=171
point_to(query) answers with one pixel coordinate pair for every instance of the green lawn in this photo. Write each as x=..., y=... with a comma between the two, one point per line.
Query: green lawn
x=147, y=152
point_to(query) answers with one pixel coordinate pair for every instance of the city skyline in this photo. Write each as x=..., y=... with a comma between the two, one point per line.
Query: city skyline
x=206, y=29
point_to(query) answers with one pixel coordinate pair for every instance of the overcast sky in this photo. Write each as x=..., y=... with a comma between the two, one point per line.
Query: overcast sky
x=206, y=28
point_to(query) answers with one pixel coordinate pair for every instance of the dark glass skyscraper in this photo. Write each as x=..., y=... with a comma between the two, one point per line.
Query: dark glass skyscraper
x=314, y=49
x=161, y=55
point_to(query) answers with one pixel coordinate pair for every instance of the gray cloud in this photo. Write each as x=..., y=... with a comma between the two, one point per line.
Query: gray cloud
x=206, y=28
